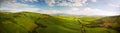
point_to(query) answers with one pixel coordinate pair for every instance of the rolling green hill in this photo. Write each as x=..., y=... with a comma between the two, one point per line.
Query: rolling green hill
x=28, y=22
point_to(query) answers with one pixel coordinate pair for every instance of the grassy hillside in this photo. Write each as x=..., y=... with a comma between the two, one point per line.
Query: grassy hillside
x=28, y=22
x=112, y=22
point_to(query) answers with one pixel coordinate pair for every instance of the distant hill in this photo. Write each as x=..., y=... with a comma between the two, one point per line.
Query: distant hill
x=29, y=22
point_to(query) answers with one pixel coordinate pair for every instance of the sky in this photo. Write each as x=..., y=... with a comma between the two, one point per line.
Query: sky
x=67, y=7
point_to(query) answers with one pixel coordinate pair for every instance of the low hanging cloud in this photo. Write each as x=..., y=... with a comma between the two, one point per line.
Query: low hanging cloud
x=86, y=11
x=28, y=9
x=91, y=11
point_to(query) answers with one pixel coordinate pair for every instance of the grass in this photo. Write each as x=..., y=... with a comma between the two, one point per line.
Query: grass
x=28, y=22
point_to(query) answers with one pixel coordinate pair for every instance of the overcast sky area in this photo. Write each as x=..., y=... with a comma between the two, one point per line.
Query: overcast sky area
x=70, y=7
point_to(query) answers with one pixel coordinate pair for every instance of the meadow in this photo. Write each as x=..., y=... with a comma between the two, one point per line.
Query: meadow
x=29, y=22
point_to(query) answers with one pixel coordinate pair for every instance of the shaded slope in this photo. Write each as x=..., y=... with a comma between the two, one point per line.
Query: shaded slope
x=112, y=22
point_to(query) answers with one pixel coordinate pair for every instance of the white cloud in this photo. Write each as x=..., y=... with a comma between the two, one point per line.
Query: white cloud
x=7, y=1
x=65, y=2
x=14, y=6
x=50, y=2
x=74, y=9
x=94, y=0
x=18, y=5
x=14, y=3
x=29, y=0
x=114, y=5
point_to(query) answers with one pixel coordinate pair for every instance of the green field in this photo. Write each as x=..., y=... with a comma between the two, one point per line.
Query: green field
x=28, y=22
